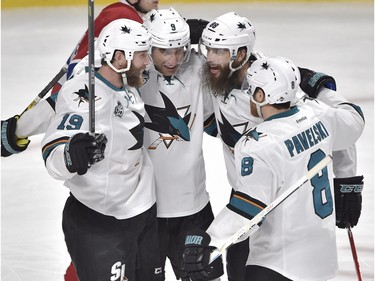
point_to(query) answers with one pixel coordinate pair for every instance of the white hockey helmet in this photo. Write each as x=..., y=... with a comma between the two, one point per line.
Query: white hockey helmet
x=124, y=35
x=230, y=31
x=168, y=28
x=278, y=78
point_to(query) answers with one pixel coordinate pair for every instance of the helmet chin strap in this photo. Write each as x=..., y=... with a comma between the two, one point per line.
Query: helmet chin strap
x=122, y=71
x=232, y=69
x=258, y=106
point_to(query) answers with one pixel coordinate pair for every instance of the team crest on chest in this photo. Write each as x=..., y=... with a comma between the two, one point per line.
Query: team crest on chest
x=170, y=122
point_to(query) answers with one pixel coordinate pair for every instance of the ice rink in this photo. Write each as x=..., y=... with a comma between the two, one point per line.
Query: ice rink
x=337, y=39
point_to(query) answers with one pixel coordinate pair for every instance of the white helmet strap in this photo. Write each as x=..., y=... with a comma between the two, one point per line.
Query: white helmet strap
x=122, y=69
x=233, y=69
x=259, y=105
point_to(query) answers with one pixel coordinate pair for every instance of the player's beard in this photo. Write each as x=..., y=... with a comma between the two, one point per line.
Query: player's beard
x=134, y=76
x=222, y=84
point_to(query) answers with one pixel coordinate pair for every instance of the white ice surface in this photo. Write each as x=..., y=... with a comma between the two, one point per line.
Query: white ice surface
x=334, y=38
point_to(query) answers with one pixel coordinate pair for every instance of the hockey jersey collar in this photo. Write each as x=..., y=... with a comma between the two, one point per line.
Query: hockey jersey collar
x=109, y=84
x=293, y=110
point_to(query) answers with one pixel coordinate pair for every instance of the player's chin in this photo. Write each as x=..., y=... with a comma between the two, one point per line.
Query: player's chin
x=135, y=81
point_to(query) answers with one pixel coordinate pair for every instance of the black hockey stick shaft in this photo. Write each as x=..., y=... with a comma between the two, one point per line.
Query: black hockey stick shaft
x=46, y=89
x=91, y=66
x=354, y=252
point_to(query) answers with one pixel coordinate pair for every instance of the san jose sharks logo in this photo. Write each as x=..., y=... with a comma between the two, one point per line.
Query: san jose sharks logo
x=137, y=132
x=167, y=121
x=83, y=96
x=228, y=132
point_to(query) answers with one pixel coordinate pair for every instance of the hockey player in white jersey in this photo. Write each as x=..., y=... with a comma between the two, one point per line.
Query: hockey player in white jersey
x=174, y=125
x=110, y=216
x=296, y=241
x=227, y=43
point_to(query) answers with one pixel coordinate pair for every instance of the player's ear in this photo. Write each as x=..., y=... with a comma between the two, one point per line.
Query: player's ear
x=259, y=95
x=119, y=57
x=241, y=54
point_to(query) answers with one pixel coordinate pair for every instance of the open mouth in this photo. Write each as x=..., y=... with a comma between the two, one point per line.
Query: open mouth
x=214, y=69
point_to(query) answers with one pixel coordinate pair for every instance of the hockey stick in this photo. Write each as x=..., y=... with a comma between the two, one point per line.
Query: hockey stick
x=354, y=252
x=46, y=89
x=261, y=215
x=91, y=66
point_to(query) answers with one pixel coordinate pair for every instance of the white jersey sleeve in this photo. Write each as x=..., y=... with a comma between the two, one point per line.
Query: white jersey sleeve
x=36, y=120
x=345, y=161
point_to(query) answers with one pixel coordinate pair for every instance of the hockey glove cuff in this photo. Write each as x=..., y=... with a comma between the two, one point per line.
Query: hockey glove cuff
x=196, y=29
x=83, y=150
x=348, y=200
x=10, y=143
x=312, y=82
x=195, y=259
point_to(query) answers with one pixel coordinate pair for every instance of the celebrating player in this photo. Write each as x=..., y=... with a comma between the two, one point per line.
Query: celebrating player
x=269, y=159
x=110, y=216
x=16, y=130
x=228, y=43
x=174, y=126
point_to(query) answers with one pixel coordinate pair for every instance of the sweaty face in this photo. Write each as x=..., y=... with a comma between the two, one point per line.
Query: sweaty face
x=139, y=63
x=167, y=61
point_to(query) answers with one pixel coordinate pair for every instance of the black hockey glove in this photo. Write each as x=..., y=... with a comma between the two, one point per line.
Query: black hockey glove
x=348, y=200
x=83, y=150
x=312, y=82
x=196, y=29
x=10, y=143
x=195, y=259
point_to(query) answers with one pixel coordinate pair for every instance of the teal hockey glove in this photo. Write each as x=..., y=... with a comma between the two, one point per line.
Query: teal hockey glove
x=83, y=150
x=195, y=259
